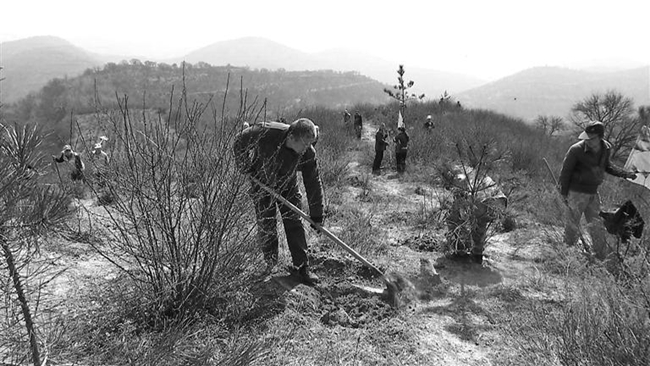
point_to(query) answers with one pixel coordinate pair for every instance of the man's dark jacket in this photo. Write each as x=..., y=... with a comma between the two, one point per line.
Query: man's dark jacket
x=381, y=141
x=583, y=170
x=401, y=142
x=260, y=150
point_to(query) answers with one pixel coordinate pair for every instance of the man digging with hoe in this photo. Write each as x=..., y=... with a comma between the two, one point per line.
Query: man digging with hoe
x=272, y=153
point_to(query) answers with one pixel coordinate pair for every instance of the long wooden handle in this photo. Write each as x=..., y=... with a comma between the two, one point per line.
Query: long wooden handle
x=550, y=171
x=582, y=238
x=327, y=233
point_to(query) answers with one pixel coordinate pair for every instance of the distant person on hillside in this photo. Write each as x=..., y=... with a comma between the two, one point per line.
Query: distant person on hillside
x=100, y=163
x=583, y=170
x=99, y=155
x=273, y=153
x=428, y=124
x=401, y=148
x=358, y=124
x=346, y=117
x=458, y=105
x=75, y=164
x=381, y=141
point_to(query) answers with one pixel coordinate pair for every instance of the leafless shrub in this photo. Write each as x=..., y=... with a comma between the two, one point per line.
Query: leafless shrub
x=180, y=207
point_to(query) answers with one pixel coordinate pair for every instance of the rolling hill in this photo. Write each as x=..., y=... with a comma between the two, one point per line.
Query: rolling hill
x=553, y=90
x=262, y=53
x=281, y=92
x=28, y=64
x=253, y=52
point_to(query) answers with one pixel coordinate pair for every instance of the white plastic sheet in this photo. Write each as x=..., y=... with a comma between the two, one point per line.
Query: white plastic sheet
x=639, y=159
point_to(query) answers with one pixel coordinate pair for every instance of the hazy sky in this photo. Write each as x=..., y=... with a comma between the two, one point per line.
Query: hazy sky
x=484, y=38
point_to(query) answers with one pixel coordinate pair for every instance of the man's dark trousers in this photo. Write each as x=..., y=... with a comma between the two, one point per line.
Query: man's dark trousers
x=376, y=165
x=265, y=209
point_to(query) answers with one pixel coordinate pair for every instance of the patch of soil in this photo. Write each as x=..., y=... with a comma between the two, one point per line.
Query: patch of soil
x=367, y=273
x=425, y=242
x=349, y=294
x=347, y=306
x=463, y=271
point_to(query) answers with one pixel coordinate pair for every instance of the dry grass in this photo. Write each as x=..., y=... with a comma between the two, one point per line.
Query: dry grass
x=546, y=305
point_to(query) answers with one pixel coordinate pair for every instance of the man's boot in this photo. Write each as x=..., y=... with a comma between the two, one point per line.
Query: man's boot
x=306, y=276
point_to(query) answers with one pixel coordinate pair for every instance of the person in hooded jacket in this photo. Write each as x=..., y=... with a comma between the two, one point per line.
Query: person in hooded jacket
x=381, y=141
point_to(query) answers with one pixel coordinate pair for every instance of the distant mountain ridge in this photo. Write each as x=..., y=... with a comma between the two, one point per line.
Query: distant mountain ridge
x=262, y=53
x=29, y=63
x=253, y=52
x=554, y=90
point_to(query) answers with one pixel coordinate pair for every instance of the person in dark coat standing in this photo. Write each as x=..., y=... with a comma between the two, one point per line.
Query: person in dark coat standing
x=358, y=124
x=381, y=141
x=401, y=148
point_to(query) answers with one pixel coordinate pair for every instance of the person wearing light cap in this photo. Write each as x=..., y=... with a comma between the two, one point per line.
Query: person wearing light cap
x=273, y=153
x=100, y=161
x=429, y=122
x=583, y=170
x=99, y=153
x=73, y=159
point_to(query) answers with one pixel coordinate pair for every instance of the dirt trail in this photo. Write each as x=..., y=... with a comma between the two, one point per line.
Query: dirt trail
x=452, y=321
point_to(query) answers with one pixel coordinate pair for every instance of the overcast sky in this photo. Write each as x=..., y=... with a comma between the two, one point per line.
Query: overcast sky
x=484, y=38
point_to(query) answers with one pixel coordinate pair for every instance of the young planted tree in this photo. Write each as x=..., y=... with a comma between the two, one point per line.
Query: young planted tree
x=615, y=111
x=477, y=203
x=401, y=92
x=28, y=210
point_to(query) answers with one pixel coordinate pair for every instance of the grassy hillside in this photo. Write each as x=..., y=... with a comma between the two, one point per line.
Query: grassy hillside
x=168, y=271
